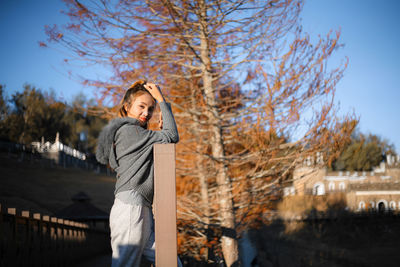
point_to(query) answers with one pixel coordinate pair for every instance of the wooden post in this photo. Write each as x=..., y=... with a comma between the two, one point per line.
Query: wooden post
x=165, y=205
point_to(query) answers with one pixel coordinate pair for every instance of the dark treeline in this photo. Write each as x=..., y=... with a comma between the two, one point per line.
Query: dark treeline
x=363, y=153
x=29, y=115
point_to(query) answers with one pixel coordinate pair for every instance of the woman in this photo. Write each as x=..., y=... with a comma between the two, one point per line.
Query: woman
x=127, y=146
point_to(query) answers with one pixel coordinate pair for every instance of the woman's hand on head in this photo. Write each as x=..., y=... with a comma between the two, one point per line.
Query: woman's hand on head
x=155, y=91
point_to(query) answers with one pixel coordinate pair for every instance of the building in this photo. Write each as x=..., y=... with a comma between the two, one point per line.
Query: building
x=378, y=190
x=59, y=153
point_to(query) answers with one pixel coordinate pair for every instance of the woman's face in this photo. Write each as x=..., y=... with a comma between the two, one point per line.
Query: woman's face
x=142, y=108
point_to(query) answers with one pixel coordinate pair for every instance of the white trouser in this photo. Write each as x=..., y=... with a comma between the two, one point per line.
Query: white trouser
x=132, y=234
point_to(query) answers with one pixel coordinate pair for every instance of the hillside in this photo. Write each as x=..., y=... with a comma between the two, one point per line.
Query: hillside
x=38, y=187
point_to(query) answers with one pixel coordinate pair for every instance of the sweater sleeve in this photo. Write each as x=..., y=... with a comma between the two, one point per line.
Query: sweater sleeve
x=132, y=138
x=169, y=125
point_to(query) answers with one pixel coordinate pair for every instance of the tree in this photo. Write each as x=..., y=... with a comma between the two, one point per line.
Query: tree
x=4, y=112
x=252, y=94
x=34, y=116
x=363, y=153
x=85, y=127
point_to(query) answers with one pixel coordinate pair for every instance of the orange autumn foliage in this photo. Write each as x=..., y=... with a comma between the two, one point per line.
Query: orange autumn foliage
x=249, y=108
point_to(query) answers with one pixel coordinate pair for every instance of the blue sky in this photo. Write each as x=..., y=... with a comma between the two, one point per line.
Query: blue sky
x=370, y=32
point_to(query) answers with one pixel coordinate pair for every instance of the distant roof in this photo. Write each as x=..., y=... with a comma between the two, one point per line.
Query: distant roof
x=82, y=209
x=81, y=196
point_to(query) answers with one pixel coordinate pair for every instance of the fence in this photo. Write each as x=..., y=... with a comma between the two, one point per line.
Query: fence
x=36, y=240
x=310, y=191
x=52, y=159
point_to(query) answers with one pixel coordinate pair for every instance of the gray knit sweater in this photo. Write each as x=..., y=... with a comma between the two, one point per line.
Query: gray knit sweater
x=128, y=148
